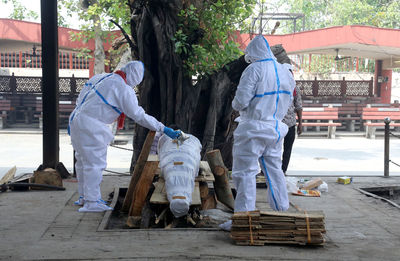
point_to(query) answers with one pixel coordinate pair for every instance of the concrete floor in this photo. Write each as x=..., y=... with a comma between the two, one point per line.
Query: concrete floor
x=46, y=226
x=40, y=225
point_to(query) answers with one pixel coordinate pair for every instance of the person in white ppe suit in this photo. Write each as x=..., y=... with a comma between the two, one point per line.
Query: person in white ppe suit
x=262, y=98
x=103, y=99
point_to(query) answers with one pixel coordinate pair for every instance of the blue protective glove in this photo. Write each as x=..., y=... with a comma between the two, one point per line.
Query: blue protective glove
x=171, y=133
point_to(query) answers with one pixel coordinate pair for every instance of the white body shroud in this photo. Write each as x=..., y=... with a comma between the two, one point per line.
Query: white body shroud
x=263, y=96
x=179, y=166
x=100, y=103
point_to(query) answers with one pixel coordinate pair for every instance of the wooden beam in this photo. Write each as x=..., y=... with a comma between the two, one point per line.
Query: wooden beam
x=142, y=188
x=137, y=171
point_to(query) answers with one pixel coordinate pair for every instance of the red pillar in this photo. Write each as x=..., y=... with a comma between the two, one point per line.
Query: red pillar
x=377, y=75
x=386, y=86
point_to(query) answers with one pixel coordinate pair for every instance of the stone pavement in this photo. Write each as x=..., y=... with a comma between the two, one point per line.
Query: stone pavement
x=45, y=225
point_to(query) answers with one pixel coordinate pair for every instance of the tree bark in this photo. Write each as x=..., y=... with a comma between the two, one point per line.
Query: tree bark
x=99, y=54
x=221, y=183
x=203, y=109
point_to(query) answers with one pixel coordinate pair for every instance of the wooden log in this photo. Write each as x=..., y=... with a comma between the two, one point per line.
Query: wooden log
x=147, y=215
x=208, y=200
x=134, y=221
x=144, y=154
x=142, y=188
x=221, y=183
x=203, y=189
x=161, y=216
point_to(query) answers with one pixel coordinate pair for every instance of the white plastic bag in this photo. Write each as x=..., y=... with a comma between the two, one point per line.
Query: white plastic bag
x=291, y=184
x=179, y=165
x=323, y=187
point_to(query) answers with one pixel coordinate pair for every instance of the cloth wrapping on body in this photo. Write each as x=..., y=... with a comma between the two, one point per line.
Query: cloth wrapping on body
x=179, y=163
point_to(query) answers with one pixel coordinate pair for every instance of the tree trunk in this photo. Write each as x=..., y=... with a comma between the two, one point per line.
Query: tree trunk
x=99, y=54
x=166, y=93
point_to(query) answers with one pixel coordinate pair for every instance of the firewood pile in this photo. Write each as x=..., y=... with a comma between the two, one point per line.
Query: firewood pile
x=146, y=203
x=271, y=227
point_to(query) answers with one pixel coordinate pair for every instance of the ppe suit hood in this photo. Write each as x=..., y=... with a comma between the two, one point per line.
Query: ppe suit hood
x=134, y=72
x=258, y=49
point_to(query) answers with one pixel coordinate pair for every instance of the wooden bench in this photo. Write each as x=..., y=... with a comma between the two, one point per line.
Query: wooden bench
x=374, y=117
x=64, y=110
x=318, y=114
x=5, y=107
x=349, y=114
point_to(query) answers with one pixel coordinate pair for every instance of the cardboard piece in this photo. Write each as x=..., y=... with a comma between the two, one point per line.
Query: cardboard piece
x=344, y=180
x=314, y=183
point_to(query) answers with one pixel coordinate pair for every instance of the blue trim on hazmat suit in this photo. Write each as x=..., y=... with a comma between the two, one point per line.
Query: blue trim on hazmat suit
x=101, y=101
x=263, y=96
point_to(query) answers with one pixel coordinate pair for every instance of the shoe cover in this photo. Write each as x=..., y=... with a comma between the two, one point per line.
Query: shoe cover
x=179, y=207
x=226, y=226
x=102, y=201
x=80, y=201
x=94, y=206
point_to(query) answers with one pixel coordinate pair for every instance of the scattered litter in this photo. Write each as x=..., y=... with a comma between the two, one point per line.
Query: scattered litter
x=217, y=215
x=9, y=175
x=291, y=184
x=312, y=183
x=307, y=193
x=303, y=180
x=323, y=187
x=345, y=180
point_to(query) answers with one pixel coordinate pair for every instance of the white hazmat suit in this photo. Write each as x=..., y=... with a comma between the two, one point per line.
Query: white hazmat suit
x=103, y=98
x=263, y=96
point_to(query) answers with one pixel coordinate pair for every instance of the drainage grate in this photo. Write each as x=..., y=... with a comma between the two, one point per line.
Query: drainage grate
x=390, y=194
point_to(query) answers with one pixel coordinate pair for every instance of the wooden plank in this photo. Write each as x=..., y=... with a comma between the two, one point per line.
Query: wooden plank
x=196, y=200
x=326, y=124
x=380, y=113
x=381, y=124
x=309, y=109
x=142, y=188
x=159, y=195
x=144, y=154
x=320, y=117
x=153, y=157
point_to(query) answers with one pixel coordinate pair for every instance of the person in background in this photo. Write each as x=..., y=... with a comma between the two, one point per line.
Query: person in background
x=262, y=98
x=104, y=98
x=290, y=120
